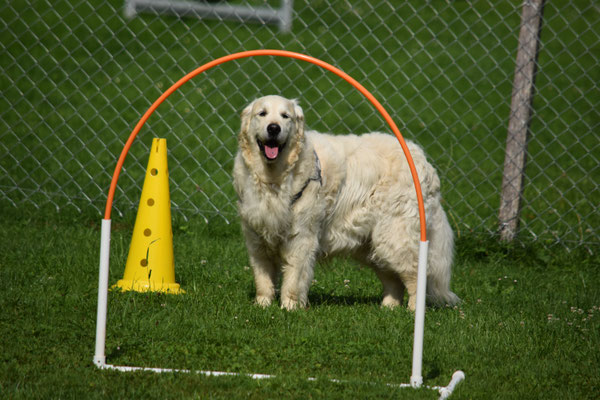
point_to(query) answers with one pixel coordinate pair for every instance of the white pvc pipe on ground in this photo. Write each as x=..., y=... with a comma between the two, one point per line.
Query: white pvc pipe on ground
x=124, y=368
x=444, y=391
x=99, y=357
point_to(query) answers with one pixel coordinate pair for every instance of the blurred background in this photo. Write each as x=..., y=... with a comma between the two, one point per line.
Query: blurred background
x=78, y=75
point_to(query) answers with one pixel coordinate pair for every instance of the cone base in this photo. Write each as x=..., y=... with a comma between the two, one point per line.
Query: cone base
x=147, y=286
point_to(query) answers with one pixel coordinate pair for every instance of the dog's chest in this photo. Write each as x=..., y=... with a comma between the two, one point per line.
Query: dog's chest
x=267, y=211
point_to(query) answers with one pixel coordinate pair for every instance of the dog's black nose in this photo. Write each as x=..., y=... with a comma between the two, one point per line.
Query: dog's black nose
x=273, y=130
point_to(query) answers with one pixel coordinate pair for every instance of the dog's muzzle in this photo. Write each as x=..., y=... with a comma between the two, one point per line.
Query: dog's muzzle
x=271, y=148
x=273, y=130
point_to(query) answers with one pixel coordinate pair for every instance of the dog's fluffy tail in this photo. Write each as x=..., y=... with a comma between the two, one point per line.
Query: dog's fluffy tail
x=440, y=257
x=440, y=294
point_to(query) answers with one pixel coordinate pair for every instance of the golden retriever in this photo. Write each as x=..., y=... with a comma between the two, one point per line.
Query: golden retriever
x=303, y=196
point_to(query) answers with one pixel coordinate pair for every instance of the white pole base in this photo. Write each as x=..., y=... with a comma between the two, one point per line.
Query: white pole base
x=416, y=381
x=457, y=377
x=100, y=361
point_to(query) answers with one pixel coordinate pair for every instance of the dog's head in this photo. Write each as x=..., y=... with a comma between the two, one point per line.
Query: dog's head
x=273, y=125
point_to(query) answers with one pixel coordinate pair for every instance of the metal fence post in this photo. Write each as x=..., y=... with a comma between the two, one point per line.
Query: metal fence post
x=520, y=116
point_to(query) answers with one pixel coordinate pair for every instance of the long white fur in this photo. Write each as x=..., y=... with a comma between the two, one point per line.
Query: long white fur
x=365, y=207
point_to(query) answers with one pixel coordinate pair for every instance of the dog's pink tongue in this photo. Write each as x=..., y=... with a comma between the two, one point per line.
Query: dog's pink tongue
x=271, y=152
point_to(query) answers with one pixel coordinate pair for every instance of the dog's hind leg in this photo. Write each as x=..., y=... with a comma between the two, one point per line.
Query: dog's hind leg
x=393, y=288
x=395, y=252
x=400, y=276
x=410, y=281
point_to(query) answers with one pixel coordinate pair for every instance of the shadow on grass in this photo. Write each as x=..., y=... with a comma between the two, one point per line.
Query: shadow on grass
x=324, y=299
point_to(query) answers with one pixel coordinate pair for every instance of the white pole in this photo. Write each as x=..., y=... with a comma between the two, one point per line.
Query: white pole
x=416, y=379
x=99, y=357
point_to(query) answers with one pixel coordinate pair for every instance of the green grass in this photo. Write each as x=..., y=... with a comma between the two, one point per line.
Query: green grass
x=528, y=326
x=76, y=78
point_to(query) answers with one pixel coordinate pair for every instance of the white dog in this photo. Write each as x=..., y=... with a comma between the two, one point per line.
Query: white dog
x=305, y=195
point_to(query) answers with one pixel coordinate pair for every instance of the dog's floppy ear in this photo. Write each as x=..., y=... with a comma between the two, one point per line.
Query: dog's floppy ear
x=245, y=117
x=243, y=139
x=298, y=139
x=298, y=118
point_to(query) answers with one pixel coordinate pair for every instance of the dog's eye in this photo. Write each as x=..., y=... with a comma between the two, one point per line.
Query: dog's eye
x=262, y=114
x=284, y=116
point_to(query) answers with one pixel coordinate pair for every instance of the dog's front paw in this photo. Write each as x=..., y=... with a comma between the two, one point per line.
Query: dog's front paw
x=291, y=304
x=263, y=301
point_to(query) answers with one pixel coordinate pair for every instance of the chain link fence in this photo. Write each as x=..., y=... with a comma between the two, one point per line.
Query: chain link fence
x=78, y=75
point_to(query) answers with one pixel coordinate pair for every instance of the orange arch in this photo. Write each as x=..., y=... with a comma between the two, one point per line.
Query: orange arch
x=280, y=53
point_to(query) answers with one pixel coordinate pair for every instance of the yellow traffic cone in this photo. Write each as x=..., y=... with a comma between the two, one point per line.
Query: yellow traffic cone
x=150, y=265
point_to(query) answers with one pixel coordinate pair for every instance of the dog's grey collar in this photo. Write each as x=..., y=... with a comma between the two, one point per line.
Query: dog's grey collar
x=316, y=177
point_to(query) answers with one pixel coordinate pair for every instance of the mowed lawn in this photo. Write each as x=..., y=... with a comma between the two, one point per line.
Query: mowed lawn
x=528, y=326
x=80, y=75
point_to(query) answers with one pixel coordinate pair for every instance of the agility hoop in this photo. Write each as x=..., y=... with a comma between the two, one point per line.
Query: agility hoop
x=416, y=379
